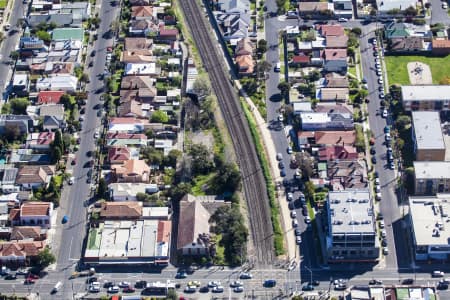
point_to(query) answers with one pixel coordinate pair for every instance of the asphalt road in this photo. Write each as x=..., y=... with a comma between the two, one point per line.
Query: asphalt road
x=9, y=44
x=438, y=14
x=76, y=197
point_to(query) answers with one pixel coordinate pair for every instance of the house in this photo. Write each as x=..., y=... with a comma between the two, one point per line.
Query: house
x=243, y=47
x=312, y=121
x=32, y=213
x=142, y=95
x=168, y=34
x=30, y=233
x=334, y=80
x=431, y=177
x=127, y=191
x=63, y=82
x=336, y=42
x=426, y=97
x=59, y=19
x=440, y=47
x=52, y=123
x=20, y=253
x=31, y=43
x=31, y=177
x=29, y=157
x=126, y=139
x=338, y=152
x=301, y=60
x=126, y=125
x=20, y=83
x=138, y=43
x=347, y=174
x=127, y=210
x=138, y=56
x=133, y=170
x=79, y=9
x=194, y=235
x=142, y=12
x=408, y=37
x=301, y=106
x=244, y=64
x=234, y=6
x=411, y=43
x=137, y=82
x=333, y=94
x=234, y=26
x=54, y=110
x=150, y=69
x=23, y=122
x=142, y=27
x=343, y=8
x=331, y=107
x=49, y=97
x=8, y=180
x=117, y=155
x=327, y=30
x=427, y=136
x=40, y=140
x=166, y=145
x=133, y=108
x=338, y=66
x=335, y=54
x=326, y=138
x=316, y=9
x=65, y=34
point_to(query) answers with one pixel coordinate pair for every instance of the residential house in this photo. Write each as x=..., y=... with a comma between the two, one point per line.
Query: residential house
x=334, y=80
x=335, y=152
x=133, y=108
x=127, y=191
x=133, y=170
x=40, y=141
x=20, y=253
x=334, y=54
x=331, y=107
x=326, y=138
x=126, y=125
x=63, y=82
x=31, y=177
x=142, y=13
x=243, y=47
x=347, y=174
x=29, y=157
x=166, y=145
x=138, y=43
x=143, y=95
x=427, y=136
x=30, y=233
x=234, y=26
x=143, y=69
x=54, y=68
x=32, y=213
x=59, y=19
x=4, y=218
x=312, y=121
x=431, y=177
x=301, y=60
x=20, y=84
x=440, y=47
x=194, y=234
x=168, y=35
x=426, y=97
x=80, y=10
x=137, y=82
x=245, y=65
x=126, y=210
x=142, y=27
x=28, y=44
x=234, y=6
x=330, y=94
x=336, y=42
x=343, y=8
x=301, y=106
x=8, y=180
x=23, y=122
x=126, y=139
x=328, y=30
x=65, y=34
x=138, y=56
x=117, y=155
x=316, y=9
x=338, y=66
x=53, y=116
x=408, y=37
x=49, y=97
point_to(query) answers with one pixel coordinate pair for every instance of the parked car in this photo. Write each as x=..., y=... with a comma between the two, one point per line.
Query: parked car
x=113, y=289
x=293, y=214
x=217, y=289
x=408, y=281
x=385, y=113
x=308, y=287
x=236, y=283
x=11, y=277
x=204, y=289
x=245, y=275
x=238, y=289
x=270, y=283
x=124, y=284
x=437, y=274
x=294, y=223
x=108, y=284
x=374, y=160
x=375, y=282
x=140, y=284
x=298, y=240
x=190, y=289
x=128, y=289
x=297, y=232
x=212, y=284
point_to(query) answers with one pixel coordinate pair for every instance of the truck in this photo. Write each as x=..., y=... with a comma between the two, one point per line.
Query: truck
x=89, y=272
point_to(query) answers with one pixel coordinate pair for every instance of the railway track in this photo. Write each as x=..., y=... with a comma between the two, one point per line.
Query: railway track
x=255, y=190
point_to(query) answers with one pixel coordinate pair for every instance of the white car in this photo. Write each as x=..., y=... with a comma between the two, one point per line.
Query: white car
x=280, y=118
x=212, y=284
x=343, y=20
x=294, y=223
x=444, y=5
x=377, y=181
x=113, y=289
x=293, y=214
x=380, y=80
x=381, y=224
x=385, y=251
x=124, y=284
x=438, y=274
x=96, y=135
x=71, y=180
x=236, y=283
x=383, y=233
x=385, y=113
x=290, y=196
x=217, y=289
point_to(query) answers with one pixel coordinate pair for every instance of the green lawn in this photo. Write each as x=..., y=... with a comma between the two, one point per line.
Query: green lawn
x=3, y=4
x=199, y=182
x=398, y=73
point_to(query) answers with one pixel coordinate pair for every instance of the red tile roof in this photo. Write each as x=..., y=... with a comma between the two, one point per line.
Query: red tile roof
x=46, y=97
x=121, y=135
x=21, y=249
x=334, y=30
x=125, y=121
x=35, y=209
x=335, y=137
x=164, y=229
x=168, y=32
x=118, y=154
x=337, y=152
x=14, y=214
x=335, y=54
x=440, y=44
x=124, y=209
x=301, y=59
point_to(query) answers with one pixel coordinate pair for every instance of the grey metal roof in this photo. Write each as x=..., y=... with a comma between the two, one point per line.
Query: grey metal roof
x=427, y=130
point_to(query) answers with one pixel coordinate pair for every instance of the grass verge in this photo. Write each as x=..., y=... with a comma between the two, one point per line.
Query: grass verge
x=3, y=4
x=396, y=67
x=274, y=209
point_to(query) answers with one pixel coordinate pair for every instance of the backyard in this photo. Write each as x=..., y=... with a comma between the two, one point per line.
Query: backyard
x=398, y=73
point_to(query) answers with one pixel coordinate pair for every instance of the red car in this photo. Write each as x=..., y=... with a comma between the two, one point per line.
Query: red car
x=128, y=290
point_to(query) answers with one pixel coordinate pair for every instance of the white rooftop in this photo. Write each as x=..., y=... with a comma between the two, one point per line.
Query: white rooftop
x=140, y=68
x=427, y=130
x=426, y=92
x=430, y=219
x=432, y=169
x=314, y=117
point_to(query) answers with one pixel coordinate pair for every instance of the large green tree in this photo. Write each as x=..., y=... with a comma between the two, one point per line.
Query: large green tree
x=45, y=258
x=202, y=162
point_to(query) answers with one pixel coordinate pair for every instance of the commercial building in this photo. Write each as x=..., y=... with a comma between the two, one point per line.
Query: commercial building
x=432, y=177
x=351, y=227
x=430, y=227
x=426, y=97
x=427, y=136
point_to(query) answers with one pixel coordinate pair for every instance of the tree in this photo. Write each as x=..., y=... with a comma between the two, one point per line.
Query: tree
x=115, y=25
x=357, y=31
x=201, y=159
x=284, y=88
x=177, y=192
x=56, y=155
x=58, y=141
x=84, y=77
x=44, y=35
x=14, y=55
x=227, y=179
x=262, y=67
x=172, y=157
x=152, y=155
x=159, y=116
x=402, y=121
x=411, y=11
x=314, y=75
x=102, y=188
x=19, y=106
x=12, y=132
x=262, y=46
x=45, y=258
x=250, y=85
x=66, y=100
x=309, y=190
x=305, y=164
x=201, y=87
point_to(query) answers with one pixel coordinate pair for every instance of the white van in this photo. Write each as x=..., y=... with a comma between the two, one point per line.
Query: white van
x=57, y=287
